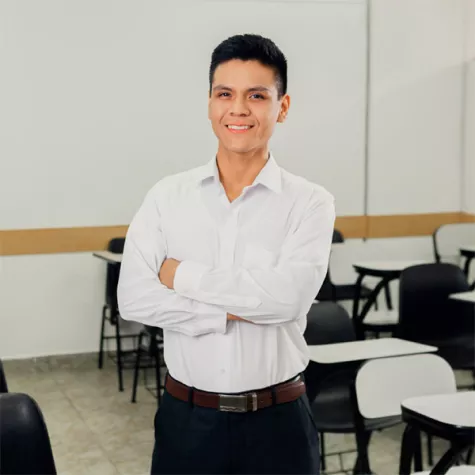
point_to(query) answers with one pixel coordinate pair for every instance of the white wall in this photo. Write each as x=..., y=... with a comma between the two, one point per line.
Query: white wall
x=102, y=98
x=415, y=109
x=469, y=133
x=51, y=304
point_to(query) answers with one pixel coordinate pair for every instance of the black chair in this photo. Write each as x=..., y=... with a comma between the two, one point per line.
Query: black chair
x=149, y=356
x=25, y=444
x=3, y=380
x=337, y=292
x=428, y=315
x=110, y=313
x=329, y=385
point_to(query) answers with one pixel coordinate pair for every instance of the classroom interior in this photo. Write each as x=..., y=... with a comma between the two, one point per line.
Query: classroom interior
x=101, y=99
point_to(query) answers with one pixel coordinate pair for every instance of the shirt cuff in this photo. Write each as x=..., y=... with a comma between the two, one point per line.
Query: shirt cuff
x=188, y=277
x=215, y=321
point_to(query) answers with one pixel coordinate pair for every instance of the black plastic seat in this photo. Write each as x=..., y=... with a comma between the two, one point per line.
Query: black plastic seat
x=336, y=292
x=110, y=313
x=150, y=356
x=25, y=444
x=332, y=409
x=428, y=315
x=329, y=385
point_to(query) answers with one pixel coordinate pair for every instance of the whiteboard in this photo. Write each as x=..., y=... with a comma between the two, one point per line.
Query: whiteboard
x=102, y=98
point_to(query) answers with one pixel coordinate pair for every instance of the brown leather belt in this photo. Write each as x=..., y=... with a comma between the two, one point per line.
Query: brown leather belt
x=245, y=402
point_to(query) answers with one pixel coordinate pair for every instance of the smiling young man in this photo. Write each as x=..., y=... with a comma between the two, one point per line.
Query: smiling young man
x=227, y=259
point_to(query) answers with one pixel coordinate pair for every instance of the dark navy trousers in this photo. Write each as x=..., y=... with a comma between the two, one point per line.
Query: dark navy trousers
x=281, y=439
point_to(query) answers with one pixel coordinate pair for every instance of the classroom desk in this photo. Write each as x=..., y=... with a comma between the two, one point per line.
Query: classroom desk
x=365, y=350
x=448, y=416
x=464, y=296
x=387, y=271
x=109, y=257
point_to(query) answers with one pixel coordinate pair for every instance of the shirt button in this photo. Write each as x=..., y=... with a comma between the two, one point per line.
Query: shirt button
x=223, y=371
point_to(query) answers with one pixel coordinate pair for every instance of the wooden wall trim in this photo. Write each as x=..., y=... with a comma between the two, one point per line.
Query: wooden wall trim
x=57, y=240
x=86, y=239
x=406, y=225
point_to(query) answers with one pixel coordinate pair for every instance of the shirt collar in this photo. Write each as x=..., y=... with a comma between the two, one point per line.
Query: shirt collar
x=270, y=176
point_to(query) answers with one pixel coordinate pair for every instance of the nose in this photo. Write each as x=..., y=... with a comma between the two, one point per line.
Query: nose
x=239, y=108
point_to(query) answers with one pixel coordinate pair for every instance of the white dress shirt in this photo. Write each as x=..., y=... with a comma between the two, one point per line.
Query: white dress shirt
x=262, y=257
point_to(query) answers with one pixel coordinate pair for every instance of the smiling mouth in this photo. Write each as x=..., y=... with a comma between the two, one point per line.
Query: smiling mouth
x=239, y=128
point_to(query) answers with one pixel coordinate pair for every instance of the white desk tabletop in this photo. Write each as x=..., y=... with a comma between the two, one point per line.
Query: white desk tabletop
x=387, y=266
x=464, y=296
x=366, y=350
x=456, y=409
x=108, y=256
x=470, y=248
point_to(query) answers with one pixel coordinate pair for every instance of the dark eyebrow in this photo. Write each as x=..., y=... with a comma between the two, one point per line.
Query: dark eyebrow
x=222, y=87
x=259, y=89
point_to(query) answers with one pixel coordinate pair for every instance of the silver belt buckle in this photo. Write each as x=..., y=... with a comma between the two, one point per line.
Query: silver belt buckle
x=238, y=403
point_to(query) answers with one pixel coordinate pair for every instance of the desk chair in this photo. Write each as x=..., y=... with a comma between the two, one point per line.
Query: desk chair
x=149, y=356
x=447, y=240
x=397, y=379
x=427, y=315
x=25, y=443
x=328, y=385
x=338, y=292
x=110, y=313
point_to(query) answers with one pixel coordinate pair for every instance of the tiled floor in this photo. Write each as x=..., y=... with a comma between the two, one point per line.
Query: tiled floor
x=94, y=429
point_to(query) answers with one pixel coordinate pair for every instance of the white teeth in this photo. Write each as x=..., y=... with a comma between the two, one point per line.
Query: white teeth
x=239, y=127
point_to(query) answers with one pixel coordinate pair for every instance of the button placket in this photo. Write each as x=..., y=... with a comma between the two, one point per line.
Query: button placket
x=228, y=237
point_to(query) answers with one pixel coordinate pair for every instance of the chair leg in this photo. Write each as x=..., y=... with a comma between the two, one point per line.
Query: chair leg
x=119, y=354
x=387, y=295
x=408, y=449
x=362, y=460
x=137, y=368
x=430, y=451
x=157, y=374
x=100, y=360
x=323, y=464
x=418, y=452
x=468, y=459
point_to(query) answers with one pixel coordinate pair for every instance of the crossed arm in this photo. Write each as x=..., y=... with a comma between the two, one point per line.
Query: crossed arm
x=167, y=278
x=195, y=299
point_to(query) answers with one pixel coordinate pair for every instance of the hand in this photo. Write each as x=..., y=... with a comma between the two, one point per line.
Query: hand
x=236, y=318
x=167, y=272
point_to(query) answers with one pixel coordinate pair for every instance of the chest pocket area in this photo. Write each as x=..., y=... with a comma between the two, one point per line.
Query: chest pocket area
x=256, y=256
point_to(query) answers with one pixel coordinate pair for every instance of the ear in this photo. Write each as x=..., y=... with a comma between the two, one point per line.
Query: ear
x=284, y=108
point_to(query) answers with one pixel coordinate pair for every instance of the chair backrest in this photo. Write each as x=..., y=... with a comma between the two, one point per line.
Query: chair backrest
x=25, y=443
x=381, y=385
x=326, y=291
x=112, y=278
x=448, y=238
x=3, y=379
x=426, y=314
x=327, y=322
x=337, y=237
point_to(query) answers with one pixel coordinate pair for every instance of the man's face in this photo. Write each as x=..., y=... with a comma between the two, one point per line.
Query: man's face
x=244, y=105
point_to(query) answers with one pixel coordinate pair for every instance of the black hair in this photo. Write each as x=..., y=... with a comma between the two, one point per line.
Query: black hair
x=251, y=47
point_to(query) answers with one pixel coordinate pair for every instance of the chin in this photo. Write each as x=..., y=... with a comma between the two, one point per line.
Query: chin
x=238, y=149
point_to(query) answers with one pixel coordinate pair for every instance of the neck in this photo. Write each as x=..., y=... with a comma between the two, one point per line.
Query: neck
x=237, y=170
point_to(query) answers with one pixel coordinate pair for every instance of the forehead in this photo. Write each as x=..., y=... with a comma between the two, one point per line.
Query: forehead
x=244, y=74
